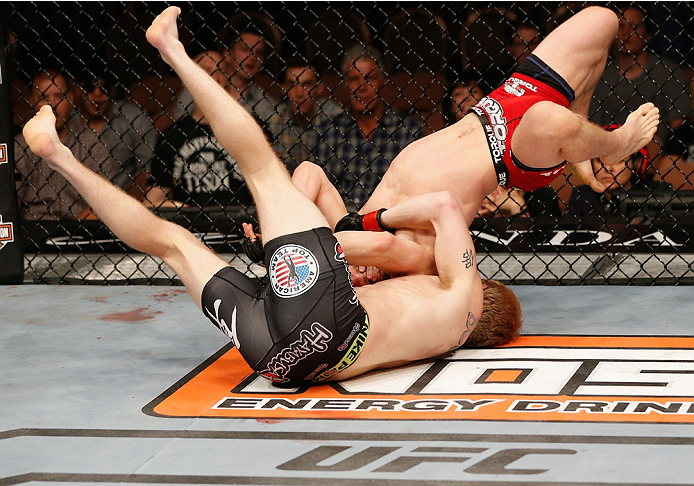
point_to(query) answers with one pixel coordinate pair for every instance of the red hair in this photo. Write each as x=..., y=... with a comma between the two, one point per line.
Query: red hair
x=501, y=318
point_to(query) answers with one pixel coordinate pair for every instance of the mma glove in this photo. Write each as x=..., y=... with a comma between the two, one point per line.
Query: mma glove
x=254, y=250
x=362, y=222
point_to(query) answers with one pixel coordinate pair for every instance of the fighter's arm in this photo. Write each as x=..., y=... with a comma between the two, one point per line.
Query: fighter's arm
x=454, y=251
x=389, y=253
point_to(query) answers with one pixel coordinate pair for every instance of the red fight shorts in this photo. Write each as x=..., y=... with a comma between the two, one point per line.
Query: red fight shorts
x=501, y=112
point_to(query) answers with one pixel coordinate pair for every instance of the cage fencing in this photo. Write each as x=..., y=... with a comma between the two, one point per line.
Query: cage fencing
x=127, y=116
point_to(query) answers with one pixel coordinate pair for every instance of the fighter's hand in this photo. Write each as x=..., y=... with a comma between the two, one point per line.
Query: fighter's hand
x=163, y=33
x=252, y=244
x=584, y=172
x=366, y=275
x=362, y=222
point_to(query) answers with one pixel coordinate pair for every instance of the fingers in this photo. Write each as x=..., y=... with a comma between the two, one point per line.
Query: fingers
x=248, y=231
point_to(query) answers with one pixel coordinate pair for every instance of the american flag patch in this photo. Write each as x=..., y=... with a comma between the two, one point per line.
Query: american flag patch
x=293, y=270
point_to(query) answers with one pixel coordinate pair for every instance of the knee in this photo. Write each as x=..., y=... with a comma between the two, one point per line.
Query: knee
x=604, y=20
x=306, y=172
x=550, y=121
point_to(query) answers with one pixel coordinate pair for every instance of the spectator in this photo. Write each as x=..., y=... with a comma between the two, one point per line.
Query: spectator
x=635, y=75
x=541, y=202
x=675, y=164
x=294, y=126
x=43, y=193
x=680, y=146
x=358, y=145
x=190, y=167
x=124, y=128
x=522, y=42
x=623, y=175
x=462, y=95
x=241, y=62
x=522, y=39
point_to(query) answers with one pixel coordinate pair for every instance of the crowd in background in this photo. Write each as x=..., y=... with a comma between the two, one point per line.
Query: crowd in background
x=350, y=111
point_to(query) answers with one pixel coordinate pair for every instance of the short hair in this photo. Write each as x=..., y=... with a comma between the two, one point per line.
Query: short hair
x=298, y=62
x=501, y=318
x=513, y=27
x=646, y=20
x=49, y=74
x=359, y=51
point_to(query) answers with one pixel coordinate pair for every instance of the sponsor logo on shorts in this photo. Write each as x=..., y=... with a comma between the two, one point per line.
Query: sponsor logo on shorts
x=553, y=173
x=229, y=330
x=351, y=356
x=354, y=330
x=495, y=113
x=517, y=86
x=340, y=257
x=3, y=153
x=6, y=233
x=494, y=150
x=314, y=340
x=293, y=270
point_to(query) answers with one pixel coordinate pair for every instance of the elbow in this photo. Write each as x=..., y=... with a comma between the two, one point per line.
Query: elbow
x=444, y=202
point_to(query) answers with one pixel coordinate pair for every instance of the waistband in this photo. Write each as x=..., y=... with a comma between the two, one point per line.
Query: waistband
x=497, y=155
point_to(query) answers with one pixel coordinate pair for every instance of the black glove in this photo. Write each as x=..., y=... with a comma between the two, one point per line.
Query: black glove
x=254, y=250
x=362, y=222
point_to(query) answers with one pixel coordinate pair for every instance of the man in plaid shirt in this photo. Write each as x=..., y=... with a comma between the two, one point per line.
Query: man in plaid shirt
x=358, y=145
x=294, y=126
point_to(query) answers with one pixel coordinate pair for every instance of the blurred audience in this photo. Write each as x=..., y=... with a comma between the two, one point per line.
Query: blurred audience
x=462, y=95
x=635, y=75
x=521, y=39
x=124, y=128
x=241, y=62
x=358, y=145
x=541, y=202
x=294, y=126
x=624, y=176
x=190, y=167
x=43, y=193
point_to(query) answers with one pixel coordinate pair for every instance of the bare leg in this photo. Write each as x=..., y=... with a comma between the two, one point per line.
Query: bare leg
x=192, y=261
x=578, y=49
x=314, y=184
x=549, y=134
x=282, y=208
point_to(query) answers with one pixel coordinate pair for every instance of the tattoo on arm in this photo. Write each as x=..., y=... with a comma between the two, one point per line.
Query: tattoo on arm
x=468, y=258
x=470, y=324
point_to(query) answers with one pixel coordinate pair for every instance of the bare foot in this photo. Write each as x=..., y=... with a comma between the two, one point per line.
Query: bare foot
x=638, y=130
x=163, y=33
x=42, y=138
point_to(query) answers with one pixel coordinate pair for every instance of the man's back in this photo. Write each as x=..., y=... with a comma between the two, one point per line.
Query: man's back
x=415, y=317
x=454, y=159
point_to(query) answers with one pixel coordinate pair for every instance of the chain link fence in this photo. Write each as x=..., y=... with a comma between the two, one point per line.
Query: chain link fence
x=126, y=115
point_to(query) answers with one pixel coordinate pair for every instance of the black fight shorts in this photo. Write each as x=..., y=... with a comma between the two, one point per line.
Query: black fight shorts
x=306, y=324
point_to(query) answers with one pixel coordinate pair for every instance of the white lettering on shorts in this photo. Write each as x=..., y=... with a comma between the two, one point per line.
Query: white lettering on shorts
x=222, y=325
x=496, y=118
x=310, y=341
x=513, y=86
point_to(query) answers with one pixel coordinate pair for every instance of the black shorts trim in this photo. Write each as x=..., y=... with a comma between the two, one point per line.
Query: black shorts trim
x=524, y=167
x=536, y=68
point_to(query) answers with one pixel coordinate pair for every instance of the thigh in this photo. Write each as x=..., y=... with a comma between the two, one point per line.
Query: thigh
x=193, y=262
x=538, y=138
x=577, y=46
